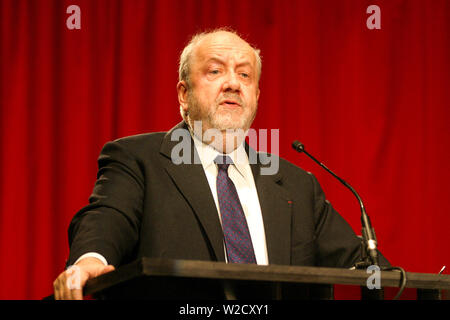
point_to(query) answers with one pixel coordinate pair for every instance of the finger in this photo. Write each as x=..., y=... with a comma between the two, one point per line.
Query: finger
x=77, y=287
x=55, y=290
x=107, y=269
x=67, y=294
x=73, y=285
x=61, y=286
x=100, y=270
x=76, y=294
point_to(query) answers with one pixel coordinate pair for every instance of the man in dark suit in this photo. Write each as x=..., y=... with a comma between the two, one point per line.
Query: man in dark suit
x=146, y=203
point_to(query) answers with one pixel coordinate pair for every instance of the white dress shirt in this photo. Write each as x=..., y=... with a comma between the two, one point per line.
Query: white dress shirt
x=241, y=174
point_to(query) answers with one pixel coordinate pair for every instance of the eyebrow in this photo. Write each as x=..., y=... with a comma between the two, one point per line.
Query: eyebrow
x=220, y=61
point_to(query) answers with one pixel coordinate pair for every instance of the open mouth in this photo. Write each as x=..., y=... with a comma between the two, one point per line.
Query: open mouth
x=230, y=103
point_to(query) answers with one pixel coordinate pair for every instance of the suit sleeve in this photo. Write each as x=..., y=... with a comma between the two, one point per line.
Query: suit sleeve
x=336, y=242
x=110, y=224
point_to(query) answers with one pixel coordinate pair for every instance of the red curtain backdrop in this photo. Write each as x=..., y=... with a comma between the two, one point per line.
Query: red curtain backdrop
x=371, y=104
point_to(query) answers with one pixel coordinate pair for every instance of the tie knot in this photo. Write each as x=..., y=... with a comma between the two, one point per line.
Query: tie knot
x=223, y=162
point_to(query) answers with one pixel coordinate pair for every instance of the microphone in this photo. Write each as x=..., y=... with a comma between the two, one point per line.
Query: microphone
x=368, y=232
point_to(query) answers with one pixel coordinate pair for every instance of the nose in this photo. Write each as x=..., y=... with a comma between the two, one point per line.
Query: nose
x=232, y=83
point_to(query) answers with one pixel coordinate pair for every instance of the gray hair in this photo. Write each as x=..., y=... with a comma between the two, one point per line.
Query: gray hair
x=186, y=54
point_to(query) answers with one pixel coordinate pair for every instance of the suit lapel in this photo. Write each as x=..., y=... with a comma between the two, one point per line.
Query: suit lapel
x=275, y=202
x=276, y=211
x=191, y=180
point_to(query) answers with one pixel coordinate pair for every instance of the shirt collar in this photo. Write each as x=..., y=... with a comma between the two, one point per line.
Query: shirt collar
x=207, y=154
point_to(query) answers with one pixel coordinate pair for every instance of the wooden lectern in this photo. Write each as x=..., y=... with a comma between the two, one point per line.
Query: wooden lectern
x=149, y=278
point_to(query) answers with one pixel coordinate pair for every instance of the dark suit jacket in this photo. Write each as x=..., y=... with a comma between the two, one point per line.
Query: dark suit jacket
x=145, y=205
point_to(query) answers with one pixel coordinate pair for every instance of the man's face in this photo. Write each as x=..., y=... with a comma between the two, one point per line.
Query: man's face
x=223, y=91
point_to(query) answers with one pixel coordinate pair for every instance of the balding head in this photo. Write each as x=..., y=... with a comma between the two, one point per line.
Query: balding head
x=218, y=36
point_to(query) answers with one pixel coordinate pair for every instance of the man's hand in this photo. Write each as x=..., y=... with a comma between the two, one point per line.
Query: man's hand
x=69, y=284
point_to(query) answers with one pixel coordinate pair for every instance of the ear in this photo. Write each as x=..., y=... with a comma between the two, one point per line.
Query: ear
x=182, y=90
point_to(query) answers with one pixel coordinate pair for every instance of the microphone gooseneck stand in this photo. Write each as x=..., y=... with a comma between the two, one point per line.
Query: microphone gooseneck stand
x=369, y=252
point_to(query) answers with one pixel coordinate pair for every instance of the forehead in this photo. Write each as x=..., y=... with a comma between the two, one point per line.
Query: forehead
x=224, y=45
